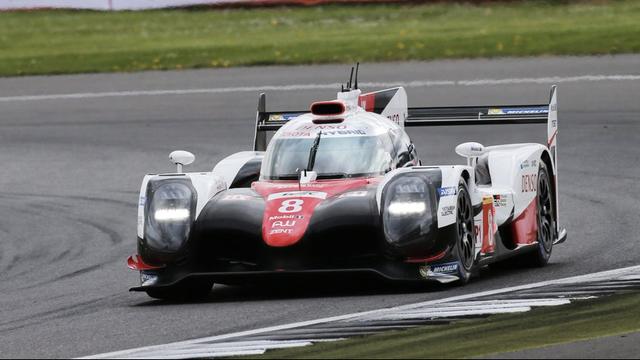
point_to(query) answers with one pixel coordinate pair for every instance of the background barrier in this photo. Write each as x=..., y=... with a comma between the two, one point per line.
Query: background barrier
x=153, y=4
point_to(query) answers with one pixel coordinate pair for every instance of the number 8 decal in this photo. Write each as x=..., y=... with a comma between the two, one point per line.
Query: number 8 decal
x=291, y=206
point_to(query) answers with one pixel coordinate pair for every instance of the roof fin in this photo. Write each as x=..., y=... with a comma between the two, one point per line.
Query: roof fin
x=356, y=79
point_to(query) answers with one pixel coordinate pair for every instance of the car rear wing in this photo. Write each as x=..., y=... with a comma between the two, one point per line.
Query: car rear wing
x=428, y=116
x=477, y=115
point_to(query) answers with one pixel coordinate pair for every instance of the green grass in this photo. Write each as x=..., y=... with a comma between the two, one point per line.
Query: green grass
x=52, y=42
x=580, y=320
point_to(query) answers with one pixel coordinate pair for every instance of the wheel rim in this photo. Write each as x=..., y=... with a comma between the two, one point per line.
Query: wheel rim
x=545, y=216
x=465, y=230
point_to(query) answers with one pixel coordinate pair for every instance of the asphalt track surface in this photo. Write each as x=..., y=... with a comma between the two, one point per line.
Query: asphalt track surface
x=71, y=171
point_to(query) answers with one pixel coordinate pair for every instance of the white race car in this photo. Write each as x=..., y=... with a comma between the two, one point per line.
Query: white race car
x=340, y=189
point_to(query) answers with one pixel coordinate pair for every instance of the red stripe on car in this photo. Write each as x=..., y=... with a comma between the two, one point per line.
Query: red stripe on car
x=525, y=226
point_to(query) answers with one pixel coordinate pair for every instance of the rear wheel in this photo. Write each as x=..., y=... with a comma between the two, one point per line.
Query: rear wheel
x=188, y=290
x=465, y=244
x=545, y=216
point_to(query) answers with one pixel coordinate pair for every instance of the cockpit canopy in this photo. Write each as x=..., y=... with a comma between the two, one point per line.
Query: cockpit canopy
x=336, y=157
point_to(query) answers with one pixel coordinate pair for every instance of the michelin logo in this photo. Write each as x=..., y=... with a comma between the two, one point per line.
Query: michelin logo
x=447, y=268
x=517, y=111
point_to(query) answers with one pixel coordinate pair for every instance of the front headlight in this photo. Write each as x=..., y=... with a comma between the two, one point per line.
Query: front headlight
x=169, y=215
x=407, y=213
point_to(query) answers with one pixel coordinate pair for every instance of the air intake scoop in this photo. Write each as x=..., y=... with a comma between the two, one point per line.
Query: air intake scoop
x=328, y=108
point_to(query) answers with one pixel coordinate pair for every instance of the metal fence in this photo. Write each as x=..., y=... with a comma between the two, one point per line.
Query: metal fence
x=115, y=5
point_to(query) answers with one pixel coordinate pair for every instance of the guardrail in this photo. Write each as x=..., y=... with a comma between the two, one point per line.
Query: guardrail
x=116, y=5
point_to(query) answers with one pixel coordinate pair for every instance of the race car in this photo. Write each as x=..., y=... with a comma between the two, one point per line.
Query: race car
x=339, y=190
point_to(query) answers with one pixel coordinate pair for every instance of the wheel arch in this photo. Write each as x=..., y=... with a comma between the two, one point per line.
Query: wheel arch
x=545, y=157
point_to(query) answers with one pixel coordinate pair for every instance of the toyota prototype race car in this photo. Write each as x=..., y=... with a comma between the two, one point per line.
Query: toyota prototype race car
x=340, y=190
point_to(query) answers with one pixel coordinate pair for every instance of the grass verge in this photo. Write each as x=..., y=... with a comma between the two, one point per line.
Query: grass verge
x=580, y=320
x=53, y=42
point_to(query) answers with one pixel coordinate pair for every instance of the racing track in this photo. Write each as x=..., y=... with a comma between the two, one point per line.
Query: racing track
x=71, y=168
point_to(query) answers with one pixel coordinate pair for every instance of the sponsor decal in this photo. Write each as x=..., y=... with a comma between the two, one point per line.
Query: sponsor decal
x=529, y=183
x=499, y=200
x=286, y=217
x=524, y=165
x=517, y=111
x=344, y=132
x=534, y=163
x=447, y=210
x=280, y=231
x=142, y=201
x=447, y=191
x=280, y=223
x=487, y=244
x=289, y=185
x=395, y=118
x=297, y=194
x=296, y=134
x=446, y=268
x=525, y=111
x=283, y=117
x=354, y=194
x=322, y=127
x=237, y=197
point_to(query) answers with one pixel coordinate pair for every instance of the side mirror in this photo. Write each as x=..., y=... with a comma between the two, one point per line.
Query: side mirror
x=180, y=158
x=470, y=150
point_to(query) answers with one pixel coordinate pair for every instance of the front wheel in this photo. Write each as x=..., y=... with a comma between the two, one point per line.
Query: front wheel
x=465, y=244
x=188, y=290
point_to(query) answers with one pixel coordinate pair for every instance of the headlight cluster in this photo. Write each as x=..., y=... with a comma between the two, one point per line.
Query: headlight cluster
x=169, y=214
x=407, y=214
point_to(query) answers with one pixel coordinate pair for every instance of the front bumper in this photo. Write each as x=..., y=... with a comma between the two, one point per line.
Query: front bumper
x=391, y=272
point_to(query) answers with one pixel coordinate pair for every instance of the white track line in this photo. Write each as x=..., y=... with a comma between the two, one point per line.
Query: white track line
x=297, y=87
x=348, y=317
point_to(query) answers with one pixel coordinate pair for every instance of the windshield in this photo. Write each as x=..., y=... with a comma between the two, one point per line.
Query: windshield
x=336, y=157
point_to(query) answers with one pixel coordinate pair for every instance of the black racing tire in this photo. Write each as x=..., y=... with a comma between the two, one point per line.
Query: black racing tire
x=464, y=248
x=188, y=290
x=546, y=220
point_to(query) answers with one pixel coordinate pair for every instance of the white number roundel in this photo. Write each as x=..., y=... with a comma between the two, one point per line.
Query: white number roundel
x=291, y=206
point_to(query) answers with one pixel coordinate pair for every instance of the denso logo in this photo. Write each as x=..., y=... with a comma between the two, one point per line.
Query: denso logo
x=322, y=127
x=529, y=183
